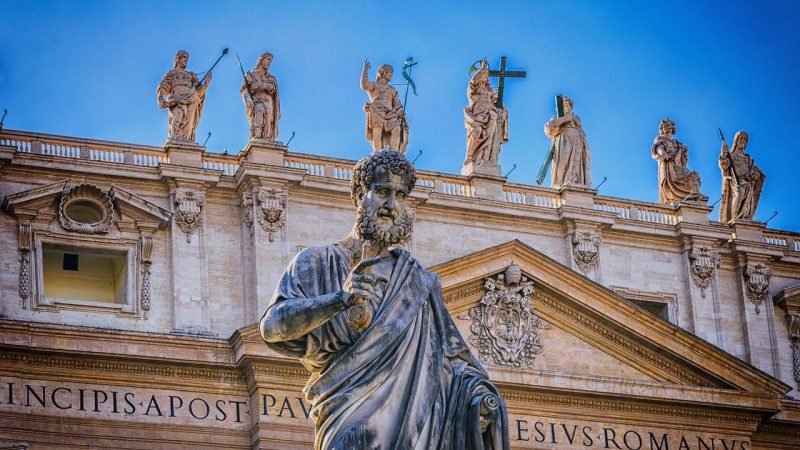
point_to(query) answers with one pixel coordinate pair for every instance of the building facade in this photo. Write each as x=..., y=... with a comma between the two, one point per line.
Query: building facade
x=133, y=276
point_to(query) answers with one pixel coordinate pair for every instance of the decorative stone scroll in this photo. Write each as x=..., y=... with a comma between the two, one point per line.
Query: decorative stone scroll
x=86, y=209
x=272, y=210
x=793, y=323
x=246, y=202
x=25, y=264
x=504, y=327
x=756, y=280
x=145, y=295
x=703, y=261
x=188, y=215
x=586, y=249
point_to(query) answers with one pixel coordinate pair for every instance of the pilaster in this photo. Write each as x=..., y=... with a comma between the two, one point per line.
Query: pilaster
x=701, y=263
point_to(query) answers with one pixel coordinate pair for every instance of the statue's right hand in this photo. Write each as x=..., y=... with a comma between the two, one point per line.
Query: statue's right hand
x=359, y=284
x=367, y=66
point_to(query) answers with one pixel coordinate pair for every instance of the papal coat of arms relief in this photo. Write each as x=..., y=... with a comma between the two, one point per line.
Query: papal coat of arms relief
x=505, y=330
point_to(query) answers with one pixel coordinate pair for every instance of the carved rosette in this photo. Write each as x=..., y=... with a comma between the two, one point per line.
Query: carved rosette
x=793, y=323
x=246, y=202
x=188, y=214
x=756, y=281
x=272, y=210
x=24, y=264
x=87, y=196
x=504, y=327
x=703, y=262
x=145, y=295
x=586, y=249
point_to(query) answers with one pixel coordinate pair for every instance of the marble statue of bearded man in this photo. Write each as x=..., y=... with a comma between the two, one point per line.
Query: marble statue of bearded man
x=742, y=181
x=262, y=100
x=387, y=126
x=389, y=369
x=676, y=182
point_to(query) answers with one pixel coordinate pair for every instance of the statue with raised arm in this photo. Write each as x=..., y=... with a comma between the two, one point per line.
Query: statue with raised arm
x=389, y=369
x=482, y=117
x=571, y=152
x=676, y=182
x=387, y=126
x=742, y=181
x=183, y=94
x=260, y=94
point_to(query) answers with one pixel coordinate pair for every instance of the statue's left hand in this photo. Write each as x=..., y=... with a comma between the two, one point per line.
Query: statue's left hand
x=207, y=78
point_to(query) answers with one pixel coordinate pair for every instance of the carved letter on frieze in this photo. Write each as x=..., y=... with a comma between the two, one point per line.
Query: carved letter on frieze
x=504, y=327
x=703, y=261
x=272, y=210
x=793, y=322
x=586, y=249
x=756, y=280
x=86, y=209
x=147, y=250
x=246, y=202
x=188, y=215
x=24, y=264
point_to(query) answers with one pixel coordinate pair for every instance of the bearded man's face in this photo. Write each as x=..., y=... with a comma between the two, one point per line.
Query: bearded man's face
x=382, y=214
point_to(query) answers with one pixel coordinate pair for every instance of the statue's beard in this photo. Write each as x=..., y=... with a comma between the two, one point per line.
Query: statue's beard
x=398, y=233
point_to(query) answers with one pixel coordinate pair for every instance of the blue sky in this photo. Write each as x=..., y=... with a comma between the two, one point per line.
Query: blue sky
x=90, y=69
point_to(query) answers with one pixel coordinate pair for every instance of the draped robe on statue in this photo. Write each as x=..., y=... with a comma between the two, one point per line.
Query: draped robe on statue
x=571, y=157
x=407, y=382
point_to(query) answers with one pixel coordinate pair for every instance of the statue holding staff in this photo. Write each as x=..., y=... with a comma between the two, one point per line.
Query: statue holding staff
x=385, y=115
x=676, y=182
x=742, y=180
x=260, y=95
x=183, y=94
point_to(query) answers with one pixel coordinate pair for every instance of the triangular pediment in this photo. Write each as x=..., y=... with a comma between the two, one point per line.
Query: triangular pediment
x=591, y=336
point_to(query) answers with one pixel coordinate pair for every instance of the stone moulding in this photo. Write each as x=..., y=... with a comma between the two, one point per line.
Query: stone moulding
x=188, y=214
x=246, y=202
x=145, y=294
x=703, y=262
x=271, y=210
x=793, y=324
x=91, y=195
x=586, y=249
x=756, y=281
x=504, y=327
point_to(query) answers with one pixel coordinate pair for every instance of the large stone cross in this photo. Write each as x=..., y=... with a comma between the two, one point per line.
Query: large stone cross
x=501, y=75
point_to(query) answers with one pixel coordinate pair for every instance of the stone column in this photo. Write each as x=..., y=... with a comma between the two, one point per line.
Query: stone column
x=265, y=250
x=189, y=257
x=702, y=259
x=758, y=313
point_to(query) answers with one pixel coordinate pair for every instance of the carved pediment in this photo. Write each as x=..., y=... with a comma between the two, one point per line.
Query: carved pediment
x=593, y=331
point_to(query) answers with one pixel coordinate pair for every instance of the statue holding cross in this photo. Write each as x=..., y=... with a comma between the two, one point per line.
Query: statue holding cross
x=486, y=118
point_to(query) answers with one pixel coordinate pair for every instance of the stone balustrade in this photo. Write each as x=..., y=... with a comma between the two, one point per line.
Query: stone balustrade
x=342, y=169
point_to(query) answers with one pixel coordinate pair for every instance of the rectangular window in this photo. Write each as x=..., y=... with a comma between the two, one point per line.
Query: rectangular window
x=74, y=273
x=657, y=308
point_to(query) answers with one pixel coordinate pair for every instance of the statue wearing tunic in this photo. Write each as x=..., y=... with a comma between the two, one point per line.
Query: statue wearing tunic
x=261, y=98
x=183, y=94
x=571, y=156
x=386, y=120
x=406, y=379
x=739, y=199
x=482, y=117
x=675, y=181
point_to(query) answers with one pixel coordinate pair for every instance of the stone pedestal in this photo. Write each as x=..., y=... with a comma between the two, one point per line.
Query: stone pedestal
x=480, y=167
x=261, y=151
x=694, y=212
x=748, y=230
x=577, y=196
x=184, y=153
x=487, y=186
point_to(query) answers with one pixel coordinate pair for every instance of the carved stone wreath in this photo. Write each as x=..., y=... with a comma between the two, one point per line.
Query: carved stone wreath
x=504, y=328
x=703, y=262
x=89, y=197
x=271, y=210
x=188, y=212
x=586, y=249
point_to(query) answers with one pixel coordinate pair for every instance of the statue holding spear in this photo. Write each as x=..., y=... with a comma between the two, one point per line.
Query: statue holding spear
x=183, y=94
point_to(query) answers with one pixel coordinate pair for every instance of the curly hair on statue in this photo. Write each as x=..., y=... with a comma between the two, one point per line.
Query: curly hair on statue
x=364, y=171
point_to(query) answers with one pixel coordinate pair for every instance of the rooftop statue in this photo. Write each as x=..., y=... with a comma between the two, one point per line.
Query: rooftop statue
x=482, y=117
x=387, y=126
x=742, y=181
x=389, y=369
x=260, y=94
x=676, y=182
x=183, y=94
x=571, y=152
